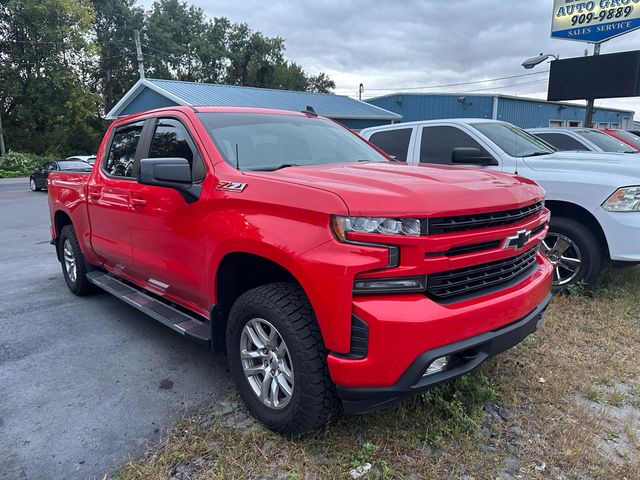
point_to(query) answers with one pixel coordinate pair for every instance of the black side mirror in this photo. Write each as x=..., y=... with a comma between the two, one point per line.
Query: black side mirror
x=473, y=156
x=170, y=173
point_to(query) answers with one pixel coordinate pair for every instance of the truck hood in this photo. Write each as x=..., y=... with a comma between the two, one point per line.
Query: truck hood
x=395, y=189
x=614, y=164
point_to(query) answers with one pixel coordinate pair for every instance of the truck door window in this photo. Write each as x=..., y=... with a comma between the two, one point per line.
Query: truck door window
x=562, y=142
x=171, y=140
x=393, y=142
x=438, y=143
x=119, y=162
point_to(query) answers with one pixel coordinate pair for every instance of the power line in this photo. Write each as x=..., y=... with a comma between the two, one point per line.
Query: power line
x=509, y=86
x=458, y=84
x=54, y=42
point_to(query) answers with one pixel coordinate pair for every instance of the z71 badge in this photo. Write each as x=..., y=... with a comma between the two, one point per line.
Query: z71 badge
x=231, y=186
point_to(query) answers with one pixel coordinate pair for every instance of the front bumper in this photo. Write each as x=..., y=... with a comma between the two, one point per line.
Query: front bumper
x=464, y=356
x=622, y=230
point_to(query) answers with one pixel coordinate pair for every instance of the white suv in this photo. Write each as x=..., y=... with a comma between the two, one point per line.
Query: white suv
x=594, y=198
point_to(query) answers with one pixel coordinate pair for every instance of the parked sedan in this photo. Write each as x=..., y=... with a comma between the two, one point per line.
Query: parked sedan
x=581, y=139
x=626, y=137
x=38, y=179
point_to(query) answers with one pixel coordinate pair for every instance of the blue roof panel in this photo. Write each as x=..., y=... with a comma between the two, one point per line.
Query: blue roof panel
x=209, y=94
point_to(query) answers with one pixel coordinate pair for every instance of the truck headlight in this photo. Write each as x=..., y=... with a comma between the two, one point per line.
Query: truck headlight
x=384, y=226
x=626, y=199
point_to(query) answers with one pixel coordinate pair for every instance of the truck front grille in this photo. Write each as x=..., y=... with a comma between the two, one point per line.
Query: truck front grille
x=479, y=280
x=482, y=220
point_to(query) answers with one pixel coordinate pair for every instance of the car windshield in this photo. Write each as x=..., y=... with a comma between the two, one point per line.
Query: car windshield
x=74, y=165
x=514, y=141
x=628, y=137
x=606, y=142
x=255, y=141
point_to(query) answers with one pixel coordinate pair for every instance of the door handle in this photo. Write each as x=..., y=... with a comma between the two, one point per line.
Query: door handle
x=138, y=202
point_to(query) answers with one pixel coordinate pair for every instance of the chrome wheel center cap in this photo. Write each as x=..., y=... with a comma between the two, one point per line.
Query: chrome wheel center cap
x=274, y=361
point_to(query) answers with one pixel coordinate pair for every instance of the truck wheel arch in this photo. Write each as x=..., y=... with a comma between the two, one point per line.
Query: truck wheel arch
x=60, y=220
x=237, y=273
x=578, y=213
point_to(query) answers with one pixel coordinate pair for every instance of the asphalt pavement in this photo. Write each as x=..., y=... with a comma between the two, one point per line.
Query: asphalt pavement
x=84, y=382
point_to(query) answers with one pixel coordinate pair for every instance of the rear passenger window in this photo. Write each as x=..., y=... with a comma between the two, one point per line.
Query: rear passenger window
x=562, y=142
x=171, y=140
x=438, y=143
x=122, y=153
x=394, y=142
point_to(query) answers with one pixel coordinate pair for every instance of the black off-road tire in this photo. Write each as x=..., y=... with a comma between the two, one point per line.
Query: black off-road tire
x=590, y=247
x=314, y=400
x=81, y=285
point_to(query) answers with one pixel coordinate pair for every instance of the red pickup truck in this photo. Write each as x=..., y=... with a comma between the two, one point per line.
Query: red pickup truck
x=334, y=277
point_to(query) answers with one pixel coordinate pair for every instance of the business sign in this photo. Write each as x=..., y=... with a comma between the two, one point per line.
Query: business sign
x=594, y=21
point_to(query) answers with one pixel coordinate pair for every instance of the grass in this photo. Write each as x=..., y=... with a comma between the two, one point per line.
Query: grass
x=556, y=385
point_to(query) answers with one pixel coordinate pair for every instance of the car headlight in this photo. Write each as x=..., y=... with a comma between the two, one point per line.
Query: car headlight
x=384, y=226
x=626, y=199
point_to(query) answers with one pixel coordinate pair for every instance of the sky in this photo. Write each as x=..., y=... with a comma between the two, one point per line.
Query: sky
x=407, y=44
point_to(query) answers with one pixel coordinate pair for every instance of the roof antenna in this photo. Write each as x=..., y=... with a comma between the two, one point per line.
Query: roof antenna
x=310, y=111
x=237, y=158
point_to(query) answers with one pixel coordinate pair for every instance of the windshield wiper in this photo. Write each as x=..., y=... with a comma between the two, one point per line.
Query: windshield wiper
x=274, y=168
x=536, y=154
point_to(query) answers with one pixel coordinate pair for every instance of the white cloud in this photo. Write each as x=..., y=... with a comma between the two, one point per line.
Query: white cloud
x=414, y=43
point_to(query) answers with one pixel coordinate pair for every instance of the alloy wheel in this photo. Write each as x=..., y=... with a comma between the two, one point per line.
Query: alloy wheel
x=266, y=363
x=565, y=256
x=32, y=185
x=69, y=260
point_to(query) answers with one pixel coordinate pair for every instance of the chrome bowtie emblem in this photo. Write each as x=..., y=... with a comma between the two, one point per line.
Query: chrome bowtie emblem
x=518, y=241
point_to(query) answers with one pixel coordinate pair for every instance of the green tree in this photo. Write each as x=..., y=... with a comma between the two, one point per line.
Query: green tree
x=176, y=34
x=115, y=69
x=321, y=83
x=253, y=58
x=182, y=44
x=44, y=104
x=63, y=63
x=212, y=51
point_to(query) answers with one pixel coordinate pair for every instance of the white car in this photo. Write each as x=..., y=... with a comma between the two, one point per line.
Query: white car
x=581, y=139
x=90, y=159
x=594, y=198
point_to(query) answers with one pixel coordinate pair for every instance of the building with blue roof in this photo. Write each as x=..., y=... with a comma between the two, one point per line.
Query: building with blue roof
x=148, y=94
x=521, y=111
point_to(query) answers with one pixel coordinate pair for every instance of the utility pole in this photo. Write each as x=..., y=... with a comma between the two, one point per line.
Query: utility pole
x=360, y=91
x=2, y=150
x=136, y=35
x=588, y=119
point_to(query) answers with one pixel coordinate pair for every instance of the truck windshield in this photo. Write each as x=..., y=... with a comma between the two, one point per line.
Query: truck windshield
x=514, y=141
x=266, y=142
x=606, y=142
